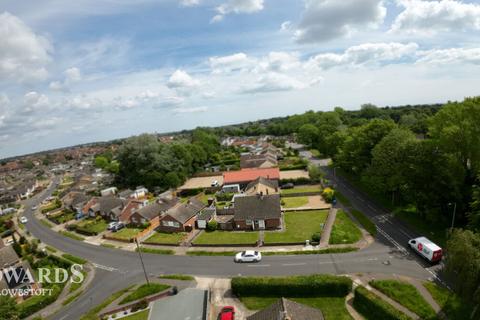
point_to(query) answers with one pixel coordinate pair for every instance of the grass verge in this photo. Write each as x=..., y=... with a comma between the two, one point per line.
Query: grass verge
x=142, y=315
x=143, y=291
x=407, y=295
x=46, y=223
x=71, y=298
x=452, y=306
x=92, y=314
x=156, y=251
x=71, y=235
x=344, y=231
x=366, y=223
x=74, y=258
x=177, y=277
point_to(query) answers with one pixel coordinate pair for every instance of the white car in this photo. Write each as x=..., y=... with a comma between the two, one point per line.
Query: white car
x=215, y=183
x=23, y=220
x=34, y=208
x=112, y=225
x=248, y=256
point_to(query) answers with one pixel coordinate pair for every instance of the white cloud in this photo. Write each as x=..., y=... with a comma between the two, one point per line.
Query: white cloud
x=229, y=63
x=324, y=20
x=273, y=82
x=34, y=101
x=190, y=110
x=23, y=54
x=450, y=56
x=286, y=26
x=189, y=3
x=367, y=53
x=181, y=79
x=431, y=17
x=72, y=75
x=237, y=7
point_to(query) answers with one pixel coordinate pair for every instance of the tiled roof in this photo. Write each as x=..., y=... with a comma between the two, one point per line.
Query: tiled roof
x=284, y=309
x=248, y=175
x=184, y=211
x=258, y=207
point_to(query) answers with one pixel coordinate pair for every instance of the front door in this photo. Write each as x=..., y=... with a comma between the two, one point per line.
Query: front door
x=261, y=224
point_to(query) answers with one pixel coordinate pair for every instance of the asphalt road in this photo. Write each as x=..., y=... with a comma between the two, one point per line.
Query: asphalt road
x=116, y=269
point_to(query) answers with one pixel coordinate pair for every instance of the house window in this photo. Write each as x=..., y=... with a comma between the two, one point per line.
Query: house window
x=248, y=222
x=172, y=224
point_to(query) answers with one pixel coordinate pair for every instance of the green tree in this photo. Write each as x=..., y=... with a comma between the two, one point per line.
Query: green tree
x=462, y=265
x=8, y=308
x=308, y=134
x=101, y=162
x=474, y=214
x=172, y=180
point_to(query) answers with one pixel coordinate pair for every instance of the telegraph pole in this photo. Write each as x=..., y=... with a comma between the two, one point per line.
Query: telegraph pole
x=141, y=260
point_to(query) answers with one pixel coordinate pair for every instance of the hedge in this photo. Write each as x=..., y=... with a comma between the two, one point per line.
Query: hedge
x=294, y=286
x=297, y=181
x=372, y=307
x=73, y=258
x=38, y=302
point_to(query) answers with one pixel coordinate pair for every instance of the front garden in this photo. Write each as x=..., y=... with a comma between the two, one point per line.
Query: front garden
x=226, y=237
x=89, y=226
x=300, y=226
x=294, y=202
x=125, y=234
x=344, y=231
x=166, y=238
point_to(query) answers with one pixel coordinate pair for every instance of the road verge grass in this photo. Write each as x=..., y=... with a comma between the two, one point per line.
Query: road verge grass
x=143, y=291
x=372, y=307
x=450, y=303
x=344, y=231
x=366, y=223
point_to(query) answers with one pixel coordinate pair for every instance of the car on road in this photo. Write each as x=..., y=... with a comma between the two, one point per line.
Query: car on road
x=248, y=256
x=288, y=186
x=426, y=248
x=34, y=208
x=118, y=226
x=227, y=313
x=23, y=220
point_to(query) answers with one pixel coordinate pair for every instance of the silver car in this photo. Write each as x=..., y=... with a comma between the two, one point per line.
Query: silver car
x=248, y=256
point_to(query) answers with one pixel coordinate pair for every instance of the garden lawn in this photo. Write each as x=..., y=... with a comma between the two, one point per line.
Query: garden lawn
x=93, y=226
x=300, y=226
x=294, y=202
x=168, y=238
x=142, y=315
x=344, y=230
x=300, y=189
x=332, y=308
x=126, y=233
x=451, y=304
x=143, y=291
x=226, y=237
x=407, y=295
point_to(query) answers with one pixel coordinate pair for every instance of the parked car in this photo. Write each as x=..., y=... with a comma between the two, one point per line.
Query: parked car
x=112, y=225
x=23, y=219
x=215, y=183
x=288, y=186
x=34, y=208
x=118, y=226
x=227, y=313
x=426, y=248
x=248, y=256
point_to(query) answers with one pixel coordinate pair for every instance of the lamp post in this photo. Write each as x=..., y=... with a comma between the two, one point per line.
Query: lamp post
x=453, y=217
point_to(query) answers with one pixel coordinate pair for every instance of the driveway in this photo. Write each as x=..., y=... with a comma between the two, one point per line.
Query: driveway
x=202, y=182
x=293, y=174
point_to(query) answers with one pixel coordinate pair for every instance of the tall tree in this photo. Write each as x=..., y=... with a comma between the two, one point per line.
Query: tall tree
x=308, y=134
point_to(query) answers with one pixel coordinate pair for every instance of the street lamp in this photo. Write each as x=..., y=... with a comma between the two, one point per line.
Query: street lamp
x=454, y=211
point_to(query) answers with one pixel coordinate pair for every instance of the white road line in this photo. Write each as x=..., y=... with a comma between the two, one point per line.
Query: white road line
x=395, y=243
x=294, y=264
x=99, y=266
x=258, y=265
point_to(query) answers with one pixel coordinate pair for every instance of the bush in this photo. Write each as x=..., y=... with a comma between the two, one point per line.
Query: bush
x=328, y=194
x=316, y=237
x=224, y=196
x=372, y=307
x=36, y=303
x=298, y=181
x=140, y=305
x=294, y=286
x=212, y=225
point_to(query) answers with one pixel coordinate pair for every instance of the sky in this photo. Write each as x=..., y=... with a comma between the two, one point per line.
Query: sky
x=82, y=71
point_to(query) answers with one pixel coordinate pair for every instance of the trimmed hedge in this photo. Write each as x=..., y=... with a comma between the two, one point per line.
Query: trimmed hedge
x=372, y=307
x=294, y=286
x=297, y=181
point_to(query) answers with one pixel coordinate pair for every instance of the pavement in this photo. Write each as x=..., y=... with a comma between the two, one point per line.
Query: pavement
x=117, y=269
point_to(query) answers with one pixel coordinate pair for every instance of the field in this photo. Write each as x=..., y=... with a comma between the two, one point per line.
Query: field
x=300, y=226
x=226, y=237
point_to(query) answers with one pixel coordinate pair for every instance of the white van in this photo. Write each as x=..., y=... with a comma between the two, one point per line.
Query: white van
x=426, y=249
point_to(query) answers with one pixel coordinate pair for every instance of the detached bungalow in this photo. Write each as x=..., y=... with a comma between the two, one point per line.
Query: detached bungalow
x=257, y=212
x=74, y=200
x=262, y=186
x=245, y=176
x=149, y=212
x=181, y=217
x=266, y=160
x=102, y=206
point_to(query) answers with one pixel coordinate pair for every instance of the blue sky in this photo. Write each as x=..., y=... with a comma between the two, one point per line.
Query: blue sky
x=90, y=70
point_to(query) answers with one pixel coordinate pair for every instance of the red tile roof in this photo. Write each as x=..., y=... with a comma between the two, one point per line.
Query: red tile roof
x=247, y=175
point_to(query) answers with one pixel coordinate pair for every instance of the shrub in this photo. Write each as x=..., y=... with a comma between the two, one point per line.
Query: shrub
x=328, y=194
x=212, y=225
x=298, y=181
x=140, y=305
x=224, y=196
x=294, y=286
x=316, y=237
x=371, y=306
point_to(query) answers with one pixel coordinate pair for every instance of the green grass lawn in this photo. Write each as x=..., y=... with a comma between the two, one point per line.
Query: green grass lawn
x=182, y=277
x=407, y=295
x=344, y=230
x=332, y=308
x=226, y=237
x=71, y=235
x=143, y=291
x=300, y=226
x=315, y=153
x=294, y=202
x=300, y=189
x=126, y=233
x=168, y=238
x=156, y=251
x=93, y=225
x=451, y=304
x=142, y=315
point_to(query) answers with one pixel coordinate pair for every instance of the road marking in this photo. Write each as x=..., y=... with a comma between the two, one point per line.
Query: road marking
x=99, y=266
x=294, y=264
x=395, y=243
x=258, y=265
x=65, y=316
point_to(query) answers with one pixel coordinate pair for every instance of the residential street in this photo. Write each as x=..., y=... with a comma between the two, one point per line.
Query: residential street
x=117, y=269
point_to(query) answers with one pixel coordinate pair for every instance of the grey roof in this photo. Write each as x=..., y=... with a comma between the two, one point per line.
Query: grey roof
x=107, y=203
x=116, y=211
x=188, y=304
x=286, y=309
x=73, y=198
x=264, y=181
x=258, y=207
x=184, y=211
x=125, y=193
x=8, y=256
x=256, y=160
x=206, y=214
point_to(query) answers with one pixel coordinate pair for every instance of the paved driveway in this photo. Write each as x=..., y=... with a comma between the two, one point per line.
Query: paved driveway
x=293, y=174
x=202, y=182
